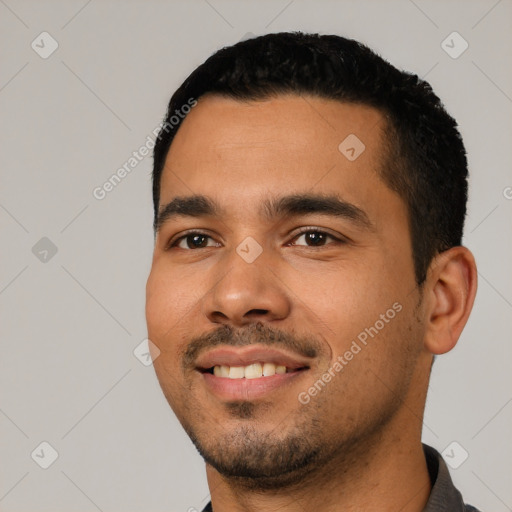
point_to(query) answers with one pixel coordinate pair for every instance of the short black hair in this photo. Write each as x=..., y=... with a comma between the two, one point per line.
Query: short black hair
x=425, y=160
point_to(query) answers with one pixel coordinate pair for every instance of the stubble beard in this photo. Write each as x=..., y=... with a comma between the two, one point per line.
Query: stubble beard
x=296, y=451
x=258, y=458
x=305, y=447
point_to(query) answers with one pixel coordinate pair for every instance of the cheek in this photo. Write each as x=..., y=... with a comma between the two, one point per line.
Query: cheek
x=167, y=300
x=172, y=307
x=360, y=304
x=156, y=303
x=164, y=317
x=164, y=313
x=379, y=362
x=350, y=296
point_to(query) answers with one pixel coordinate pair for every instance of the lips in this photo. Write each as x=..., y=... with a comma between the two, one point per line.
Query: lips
x=248, y=372
x=246, y=356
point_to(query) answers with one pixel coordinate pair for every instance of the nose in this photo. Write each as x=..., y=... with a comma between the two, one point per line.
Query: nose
x=247, y=292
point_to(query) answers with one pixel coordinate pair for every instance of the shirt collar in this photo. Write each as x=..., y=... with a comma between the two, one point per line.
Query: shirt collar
x=444, y=497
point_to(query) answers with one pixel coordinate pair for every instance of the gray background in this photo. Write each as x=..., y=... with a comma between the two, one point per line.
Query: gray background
x=71, y=321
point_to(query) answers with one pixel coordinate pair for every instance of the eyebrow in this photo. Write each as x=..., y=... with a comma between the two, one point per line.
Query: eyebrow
x=189, y=206
x=272, y=208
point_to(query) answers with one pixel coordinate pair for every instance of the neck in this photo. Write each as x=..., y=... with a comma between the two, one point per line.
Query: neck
x=388, y=473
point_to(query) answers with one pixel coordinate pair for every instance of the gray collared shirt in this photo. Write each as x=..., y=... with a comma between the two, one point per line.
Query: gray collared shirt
x=444, y=496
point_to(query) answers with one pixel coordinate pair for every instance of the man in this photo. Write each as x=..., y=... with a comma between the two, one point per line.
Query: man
x=309, y=208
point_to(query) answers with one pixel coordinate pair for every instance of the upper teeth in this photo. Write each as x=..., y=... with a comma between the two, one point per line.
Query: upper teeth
x=252, y=371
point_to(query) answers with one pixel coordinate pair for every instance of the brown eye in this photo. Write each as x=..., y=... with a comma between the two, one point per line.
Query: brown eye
x=195, y=241
x=315, y=238
x=190, y=241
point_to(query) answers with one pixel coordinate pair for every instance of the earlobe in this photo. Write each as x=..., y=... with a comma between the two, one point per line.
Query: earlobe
x=451, y=287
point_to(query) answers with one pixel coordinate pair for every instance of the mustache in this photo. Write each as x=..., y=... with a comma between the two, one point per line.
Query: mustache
x=307, y=346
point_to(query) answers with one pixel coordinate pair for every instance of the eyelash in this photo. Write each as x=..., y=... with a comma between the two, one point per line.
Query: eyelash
x=174, y=243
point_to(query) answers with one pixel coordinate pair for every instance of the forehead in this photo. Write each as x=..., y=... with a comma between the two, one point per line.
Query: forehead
x=241, y=150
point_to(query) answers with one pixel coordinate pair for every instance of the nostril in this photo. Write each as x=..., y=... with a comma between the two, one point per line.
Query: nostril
x=258, y=311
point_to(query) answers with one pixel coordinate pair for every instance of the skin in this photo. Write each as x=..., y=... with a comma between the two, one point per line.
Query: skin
x=364, y=427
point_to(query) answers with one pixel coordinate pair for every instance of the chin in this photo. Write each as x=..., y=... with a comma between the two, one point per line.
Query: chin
x=257, y=459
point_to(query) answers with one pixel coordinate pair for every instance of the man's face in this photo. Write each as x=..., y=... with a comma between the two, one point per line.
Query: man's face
x=250, y=289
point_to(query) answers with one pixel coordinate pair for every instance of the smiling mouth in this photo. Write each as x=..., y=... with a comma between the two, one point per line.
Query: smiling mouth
x=251, y=371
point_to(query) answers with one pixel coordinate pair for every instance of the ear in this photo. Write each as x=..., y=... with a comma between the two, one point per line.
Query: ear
x=451, y=288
